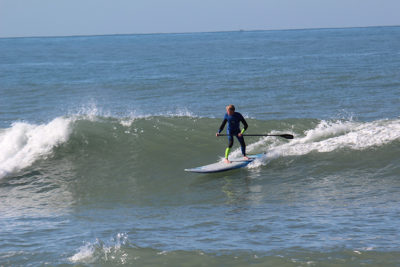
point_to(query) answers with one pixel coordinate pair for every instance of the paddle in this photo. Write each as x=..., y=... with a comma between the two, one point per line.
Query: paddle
x=287, y=136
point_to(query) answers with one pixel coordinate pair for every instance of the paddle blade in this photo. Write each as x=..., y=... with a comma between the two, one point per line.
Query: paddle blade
x=287, y=136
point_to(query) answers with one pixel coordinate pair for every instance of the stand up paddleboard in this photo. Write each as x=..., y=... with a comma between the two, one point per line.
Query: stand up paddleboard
x=222, y=166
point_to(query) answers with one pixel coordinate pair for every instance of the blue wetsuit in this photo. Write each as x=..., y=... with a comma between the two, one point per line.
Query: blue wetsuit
x=233, y=129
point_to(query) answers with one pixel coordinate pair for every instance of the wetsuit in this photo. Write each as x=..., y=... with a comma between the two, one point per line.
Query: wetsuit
x=233, y=130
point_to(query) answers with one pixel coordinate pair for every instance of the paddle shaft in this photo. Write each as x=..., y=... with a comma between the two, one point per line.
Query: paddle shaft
x=287, y=136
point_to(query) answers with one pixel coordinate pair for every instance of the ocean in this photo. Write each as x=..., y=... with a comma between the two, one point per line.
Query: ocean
x=96, y=131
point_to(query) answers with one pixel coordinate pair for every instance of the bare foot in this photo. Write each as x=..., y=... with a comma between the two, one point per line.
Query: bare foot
x=227, y=161
x=246, y=157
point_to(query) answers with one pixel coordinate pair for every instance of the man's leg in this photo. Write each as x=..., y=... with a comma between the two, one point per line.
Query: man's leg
x=242, y=145
x=228, y=149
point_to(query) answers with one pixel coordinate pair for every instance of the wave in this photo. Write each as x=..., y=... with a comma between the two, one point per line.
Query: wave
x=120, y=250
x=23, y=143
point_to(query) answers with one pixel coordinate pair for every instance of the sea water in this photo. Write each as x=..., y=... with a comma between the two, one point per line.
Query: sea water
x=95, y=133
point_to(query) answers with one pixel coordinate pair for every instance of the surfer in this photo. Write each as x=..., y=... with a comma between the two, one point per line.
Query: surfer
x=233, y=118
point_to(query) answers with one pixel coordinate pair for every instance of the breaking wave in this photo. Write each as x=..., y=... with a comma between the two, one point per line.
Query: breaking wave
x=23, y=143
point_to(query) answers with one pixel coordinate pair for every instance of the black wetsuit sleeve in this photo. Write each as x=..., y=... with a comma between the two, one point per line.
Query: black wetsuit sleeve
x=222, y=125
x=245, y=125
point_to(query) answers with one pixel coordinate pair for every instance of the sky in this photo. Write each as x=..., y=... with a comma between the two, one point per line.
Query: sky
x=21, y=18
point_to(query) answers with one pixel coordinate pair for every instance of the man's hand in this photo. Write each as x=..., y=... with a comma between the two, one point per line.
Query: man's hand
x=240, y=134
x=217, y=134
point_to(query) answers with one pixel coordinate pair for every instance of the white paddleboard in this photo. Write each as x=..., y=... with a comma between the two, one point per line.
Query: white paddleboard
x=222, y=166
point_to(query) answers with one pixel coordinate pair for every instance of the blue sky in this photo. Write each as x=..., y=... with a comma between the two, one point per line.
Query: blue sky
x=91, y=17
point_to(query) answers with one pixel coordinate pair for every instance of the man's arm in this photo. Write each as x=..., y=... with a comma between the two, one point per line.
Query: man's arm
x=222, y=125
x=245, y=125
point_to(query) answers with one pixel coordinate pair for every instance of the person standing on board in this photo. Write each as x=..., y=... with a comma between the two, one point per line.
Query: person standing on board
x=233, y=118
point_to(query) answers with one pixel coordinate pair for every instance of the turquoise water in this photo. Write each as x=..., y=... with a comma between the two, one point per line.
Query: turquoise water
x=95, y=133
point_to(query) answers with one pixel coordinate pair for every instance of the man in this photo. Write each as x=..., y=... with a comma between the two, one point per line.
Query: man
x=233, y=119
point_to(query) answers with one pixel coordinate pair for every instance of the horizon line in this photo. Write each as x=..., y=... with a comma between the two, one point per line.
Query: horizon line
x=199, y=32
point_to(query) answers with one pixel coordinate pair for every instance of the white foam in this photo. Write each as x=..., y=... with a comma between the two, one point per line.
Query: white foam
x=330, y=136
x=85, y=254
x=92, y=252
x=24, y=143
